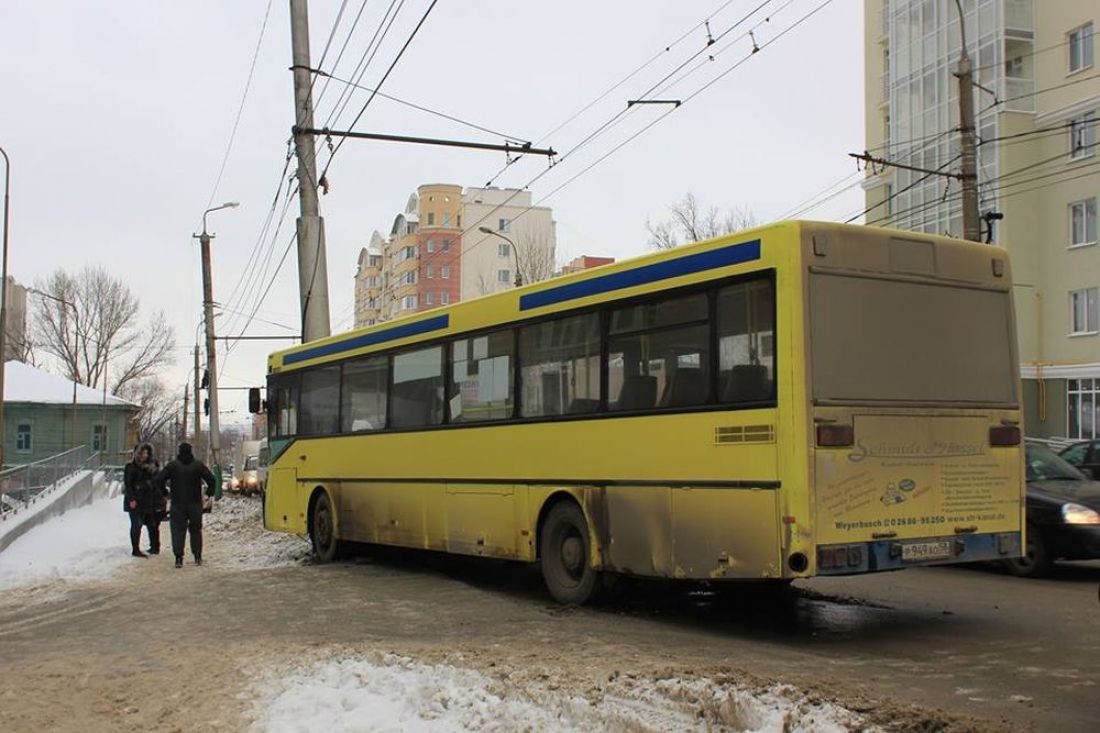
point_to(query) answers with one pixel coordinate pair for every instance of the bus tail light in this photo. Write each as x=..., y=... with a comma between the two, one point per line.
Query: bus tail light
x=835, y=436
x=1004, y=435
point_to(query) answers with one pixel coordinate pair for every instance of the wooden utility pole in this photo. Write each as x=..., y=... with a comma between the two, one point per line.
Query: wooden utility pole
x=197, y=432
x=312, y=268
x=968, y=148
x=183, y=423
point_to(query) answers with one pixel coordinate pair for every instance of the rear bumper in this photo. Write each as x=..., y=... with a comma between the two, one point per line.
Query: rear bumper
x=871, y=557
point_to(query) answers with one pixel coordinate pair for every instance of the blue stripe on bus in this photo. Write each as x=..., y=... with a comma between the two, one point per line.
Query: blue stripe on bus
x=370, y=339
x=733, y=254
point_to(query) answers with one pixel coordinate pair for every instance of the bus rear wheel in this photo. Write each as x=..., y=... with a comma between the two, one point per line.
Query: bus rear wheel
x=564, y=547
x=322, y=530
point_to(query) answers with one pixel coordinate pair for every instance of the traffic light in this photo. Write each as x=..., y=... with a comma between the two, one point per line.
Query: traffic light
x=206, y=405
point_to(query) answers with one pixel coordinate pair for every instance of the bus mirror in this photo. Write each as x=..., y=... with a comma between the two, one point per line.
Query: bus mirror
x=254, y=400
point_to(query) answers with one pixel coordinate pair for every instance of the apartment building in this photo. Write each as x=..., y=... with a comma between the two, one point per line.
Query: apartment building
x=435, y=253
x=1037, y=105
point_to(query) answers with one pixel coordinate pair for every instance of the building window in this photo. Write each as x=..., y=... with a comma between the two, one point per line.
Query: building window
x=408, y=302
x=503, y=250
x=1083, y=409
x=458, y=220
x=504, y=276
x=445, y=272
x=417, y=389
x=428, y=297
x=1084, y=313
x=446, y=219
x=99, y=437
x=364, y=394
x=1080, y=48
x=447, y=245
x=24, y=439
x=504, y=225
x=431, y=272
x=444, y=297
x=1082, y=222
x=481, y=377
x=560, y=362
x=1082, y=136
x=431, y=245
x=431, y=219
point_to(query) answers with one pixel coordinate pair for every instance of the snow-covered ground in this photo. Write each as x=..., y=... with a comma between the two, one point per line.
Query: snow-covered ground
x=86, y=543
x=395, y=693
x=240, y=542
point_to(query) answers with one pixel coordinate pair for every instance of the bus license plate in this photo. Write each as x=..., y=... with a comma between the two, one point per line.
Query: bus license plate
x=918, y=551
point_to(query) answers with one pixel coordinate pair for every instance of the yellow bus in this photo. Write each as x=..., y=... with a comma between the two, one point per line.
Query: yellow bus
x=798, y=399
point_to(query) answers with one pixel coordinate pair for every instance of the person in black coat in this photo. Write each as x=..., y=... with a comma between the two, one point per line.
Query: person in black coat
x=138, y=499
x=184, y=478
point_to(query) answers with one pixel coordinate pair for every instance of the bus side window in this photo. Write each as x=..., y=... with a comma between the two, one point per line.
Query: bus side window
x=659, y=354
x=417, y=390
x=320, y=401
x=364, y=400
x=560, y=366
x=283, y=407
x=482, y=377
x=746, y=342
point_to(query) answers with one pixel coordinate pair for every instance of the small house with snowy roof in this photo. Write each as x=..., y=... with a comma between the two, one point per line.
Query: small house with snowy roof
x=45, y=414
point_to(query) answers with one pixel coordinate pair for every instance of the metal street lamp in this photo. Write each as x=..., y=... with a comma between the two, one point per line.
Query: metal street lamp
x=4, y=300
x=76, y=325
x=515, y=252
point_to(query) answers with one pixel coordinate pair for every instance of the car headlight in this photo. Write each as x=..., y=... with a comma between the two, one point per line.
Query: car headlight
x=251, y=480
x=1077, y=514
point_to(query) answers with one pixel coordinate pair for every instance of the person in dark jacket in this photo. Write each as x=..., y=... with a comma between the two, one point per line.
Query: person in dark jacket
x=184, y=478
x=138, y=501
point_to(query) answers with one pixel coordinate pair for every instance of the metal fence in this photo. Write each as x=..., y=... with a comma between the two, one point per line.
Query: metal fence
x=21, y=486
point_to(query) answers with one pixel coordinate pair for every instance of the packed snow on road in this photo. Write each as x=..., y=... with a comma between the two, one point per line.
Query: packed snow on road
x=397, y=693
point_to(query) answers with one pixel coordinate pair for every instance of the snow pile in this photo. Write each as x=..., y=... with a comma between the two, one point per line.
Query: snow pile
x=82, y=544
x=396, y=693
x=238, y=540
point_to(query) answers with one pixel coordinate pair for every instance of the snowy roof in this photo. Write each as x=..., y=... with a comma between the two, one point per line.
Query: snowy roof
x=24, y=383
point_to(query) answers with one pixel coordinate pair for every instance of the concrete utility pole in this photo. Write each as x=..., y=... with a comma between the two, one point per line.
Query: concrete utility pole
x=969, y=163
x=4, y=300
x=183, y=423
x=198, y=415
x=214, y=441
x=312, y=269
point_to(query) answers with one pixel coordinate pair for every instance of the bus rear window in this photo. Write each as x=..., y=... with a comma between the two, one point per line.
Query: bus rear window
x=882, y=340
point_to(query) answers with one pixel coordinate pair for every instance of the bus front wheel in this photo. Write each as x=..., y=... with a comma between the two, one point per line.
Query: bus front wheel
x=564, y=549
x=322, y=530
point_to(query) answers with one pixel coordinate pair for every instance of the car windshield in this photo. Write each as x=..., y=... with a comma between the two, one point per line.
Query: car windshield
x=1044, y=465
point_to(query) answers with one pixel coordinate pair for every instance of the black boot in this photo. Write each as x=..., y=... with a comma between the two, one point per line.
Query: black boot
x=198, y=559
x=136, y=552
x=179, y=561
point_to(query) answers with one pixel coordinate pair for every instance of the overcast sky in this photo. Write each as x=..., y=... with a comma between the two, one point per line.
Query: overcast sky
x=116, y=115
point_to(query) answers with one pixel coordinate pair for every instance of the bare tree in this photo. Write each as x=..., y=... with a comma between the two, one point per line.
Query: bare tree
x=158, y=406
x=104, y=333
x=689, y=222
x=536, y=256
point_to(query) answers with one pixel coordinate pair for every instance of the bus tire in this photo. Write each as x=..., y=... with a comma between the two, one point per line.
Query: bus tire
x=322, y=529
x=564, y=544
x=1036, y=562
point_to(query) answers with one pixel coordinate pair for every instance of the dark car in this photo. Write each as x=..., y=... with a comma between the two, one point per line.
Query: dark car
x=1085, y=456
x=1063, y=514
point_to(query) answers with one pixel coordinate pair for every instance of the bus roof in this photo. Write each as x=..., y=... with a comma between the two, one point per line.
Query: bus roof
x=725, y=256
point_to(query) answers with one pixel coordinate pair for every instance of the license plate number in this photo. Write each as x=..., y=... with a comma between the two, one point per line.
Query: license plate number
x=918, y=551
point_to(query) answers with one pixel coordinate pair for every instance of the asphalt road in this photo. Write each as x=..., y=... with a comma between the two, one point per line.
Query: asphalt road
x=923, y=649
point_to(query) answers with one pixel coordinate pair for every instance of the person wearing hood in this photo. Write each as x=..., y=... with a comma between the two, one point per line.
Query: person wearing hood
x=183, y=478
x=138, y=499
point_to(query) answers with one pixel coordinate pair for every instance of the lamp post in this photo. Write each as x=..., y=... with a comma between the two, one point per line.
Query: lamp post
x=4, y=301
x=515, y=251
x=76, y=325
x=211, y=356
